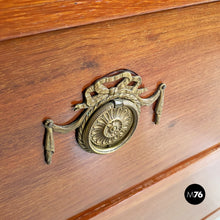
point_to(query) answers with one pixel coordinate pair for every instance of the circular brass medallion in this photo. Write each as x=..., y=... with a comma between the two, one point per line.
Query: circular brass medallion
x=110, y=126
x=110, y=113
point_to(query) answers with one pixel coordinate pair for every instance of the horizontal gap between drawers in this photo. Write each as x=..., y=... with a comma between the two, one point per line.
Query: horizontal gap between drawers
x=114, y=200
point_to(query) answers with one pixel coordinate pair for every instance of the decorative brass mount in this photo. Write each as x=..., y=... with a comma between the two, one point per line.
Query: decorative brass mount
x=110, y=116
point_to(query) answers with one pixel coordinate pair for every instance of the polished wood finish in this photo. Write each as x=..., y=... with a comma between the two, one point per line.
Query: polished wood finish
x=117, y=200
x=26, y=17
x=41, y=75
x=166, y=198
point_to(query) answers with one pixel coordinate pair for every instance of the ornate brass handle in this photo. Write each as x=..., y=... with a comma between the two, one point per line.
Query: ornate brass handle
x=110, y=116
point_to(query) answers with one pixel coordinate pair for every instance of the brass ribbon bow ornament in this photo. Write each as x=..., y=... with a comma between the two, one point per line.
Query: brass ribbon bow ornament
x=110, y=116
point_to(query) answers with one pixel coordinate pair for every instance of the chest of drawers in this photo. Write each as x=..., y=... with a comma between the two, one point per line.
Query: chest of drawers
x=43, y=75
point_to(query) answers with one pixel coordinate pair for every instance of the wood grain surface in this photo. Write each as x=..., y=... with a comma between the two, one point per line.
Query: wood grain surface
x=117, y=201
x=165, y=200
x=26, y=17
x=41, y=76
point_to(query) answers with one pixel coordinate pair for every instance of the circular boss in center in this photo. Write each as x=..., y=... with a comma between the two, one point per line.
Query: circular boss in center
x=110, y=126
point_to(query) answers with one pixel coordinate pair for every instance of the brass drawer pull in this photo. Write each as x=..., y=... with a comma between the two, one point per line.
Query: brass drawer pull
x=110, y=116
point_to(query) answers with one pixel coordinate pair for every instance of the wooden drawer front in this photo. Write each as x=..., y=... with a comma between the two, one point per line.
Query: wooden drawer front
x=43, y=75
x=26, y=17
x=166, y=198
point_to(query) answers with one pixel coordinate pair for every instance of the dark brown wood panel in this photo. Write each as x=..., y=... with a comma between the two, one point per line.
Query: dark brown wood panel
x=26, y=17
x=41, y=76
x=166, y=198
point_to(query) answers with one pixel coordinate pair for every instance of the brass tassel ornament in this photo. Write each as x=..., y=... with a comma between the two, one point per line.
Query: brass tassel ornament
x=110, y=115
x=49, y=141
x=159, y=104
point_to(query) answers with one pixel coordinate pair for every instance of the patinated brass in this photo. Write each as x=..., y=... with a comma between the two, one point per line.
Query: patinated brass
x=110, y=116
